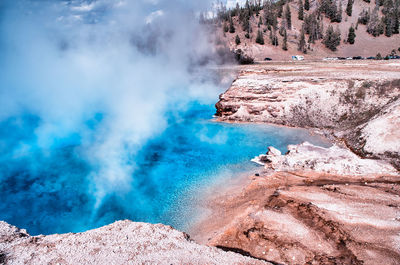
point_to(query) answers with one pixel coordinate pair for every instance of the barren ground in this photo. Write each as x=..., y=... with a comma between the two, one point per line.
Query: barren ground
x=313, y=205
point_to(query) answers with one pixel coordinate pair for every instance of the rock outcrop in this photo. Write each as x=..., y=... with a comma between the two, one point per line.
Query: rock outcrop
x=123, y=242
x=334, y=160
x=357, y=101
x=312, y=206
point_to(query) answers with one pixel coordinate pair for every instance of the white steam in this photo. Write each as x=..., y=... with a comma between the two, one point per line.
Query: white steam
x=66, y=61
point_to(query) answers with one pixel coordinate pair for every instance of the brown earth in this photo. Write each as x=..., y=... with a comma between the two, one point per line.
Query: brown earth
x=315, y=205
x=308, y=218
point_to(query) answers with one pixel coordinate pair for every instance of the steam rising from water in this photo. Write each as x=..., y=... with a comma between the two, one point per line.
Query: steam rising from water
x=104, y=114
x=101, y=74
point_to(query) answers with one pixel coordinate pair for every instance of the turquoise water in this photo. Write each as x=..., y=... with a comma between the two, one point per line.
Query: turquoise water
x=100, y=117
x=48, y=191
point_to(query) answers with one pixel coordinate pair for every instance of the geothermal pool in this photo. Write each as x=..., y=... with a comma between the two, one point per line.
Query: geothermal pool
x=50, y=191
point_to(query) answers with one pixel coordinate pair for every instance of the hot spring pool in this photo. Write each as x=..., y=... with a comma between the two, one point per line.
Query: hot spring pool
x=49, y=191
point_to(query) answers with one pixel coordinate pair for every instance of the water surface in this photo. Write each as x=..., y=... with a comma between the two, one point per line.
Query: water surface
x=49, y=190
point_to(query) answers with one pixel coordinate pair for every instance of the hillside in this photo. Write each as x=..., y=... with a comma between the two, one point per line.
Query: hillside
x=365, y=43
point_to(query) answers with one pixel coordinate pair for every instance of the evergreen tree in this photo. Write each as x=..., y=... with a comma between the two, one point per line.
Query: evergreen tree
x=389, y=25
x=396, y=21
x=260, y=38
x=332, y=38
x=231, y=26
x=349, y=8
x=352, y=35
x=226, y=27
x=387, y=6
x=302, y=42
x=282, y=28
x=301, y=10
x=339, y=13
x=260, y=22
x=280, y=9
x=307, y=5
x=237, y=40
x=288, y=17
x=375, y=26
x=284, y=43
x=313, y=27
x=332, y=11
x=273, y=38
x=364, y=17
x=246, y=24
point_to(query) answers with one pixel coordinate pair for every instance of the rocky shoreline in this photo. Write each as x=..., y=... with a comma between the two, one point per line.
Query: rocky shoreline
x=122, y=242
x=355, y=102
x=314, y=205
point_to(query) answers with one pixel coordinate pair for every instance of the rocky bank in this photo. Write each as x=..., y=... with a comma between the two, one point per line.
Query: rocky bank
x=357, y=102
x=314, y=205
x=122, y=242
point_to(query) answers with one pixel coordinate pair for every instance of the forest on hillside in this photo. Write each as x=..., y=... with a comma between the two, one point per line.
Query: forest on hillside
x=263, y=21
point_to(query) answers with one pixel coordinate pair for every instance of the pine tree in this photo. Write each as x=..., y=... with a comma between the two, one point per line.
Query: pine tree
x=246, y=24
x=307, y=5
x=226, y=27
x=231, y=26
x=332, y=38
x=312, y=26
x=387, y=6
x=284, y=43
x=275, y=42
x=282, y=28
x=260, y=38
x=339, y=13
x=302, y=42
x=332, y=11
x=364, y=17
x=288, y=17
x=301, y=11
x=349, y=8
x=375, y=26
x=389, y=25
x=280, y=9
x=396, y=21
x=352, y=35
x=273, y=38
x=237, y=40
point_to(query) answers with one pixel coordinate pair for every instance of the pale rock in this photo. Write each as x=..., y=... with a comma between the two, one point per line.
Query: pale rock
x=122, y=242
x=333, y=160
x=359, y=103
x=273, y=151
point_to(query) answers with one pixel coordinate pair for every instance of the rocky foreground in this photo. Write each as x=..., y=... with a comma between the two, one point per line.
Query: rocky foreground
x=311, y=206
x=123, y=242
x=314, y=205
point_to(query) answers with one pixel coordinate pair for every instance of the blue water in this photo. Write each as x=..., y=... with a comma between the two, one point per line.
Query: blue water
x=47, y=191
